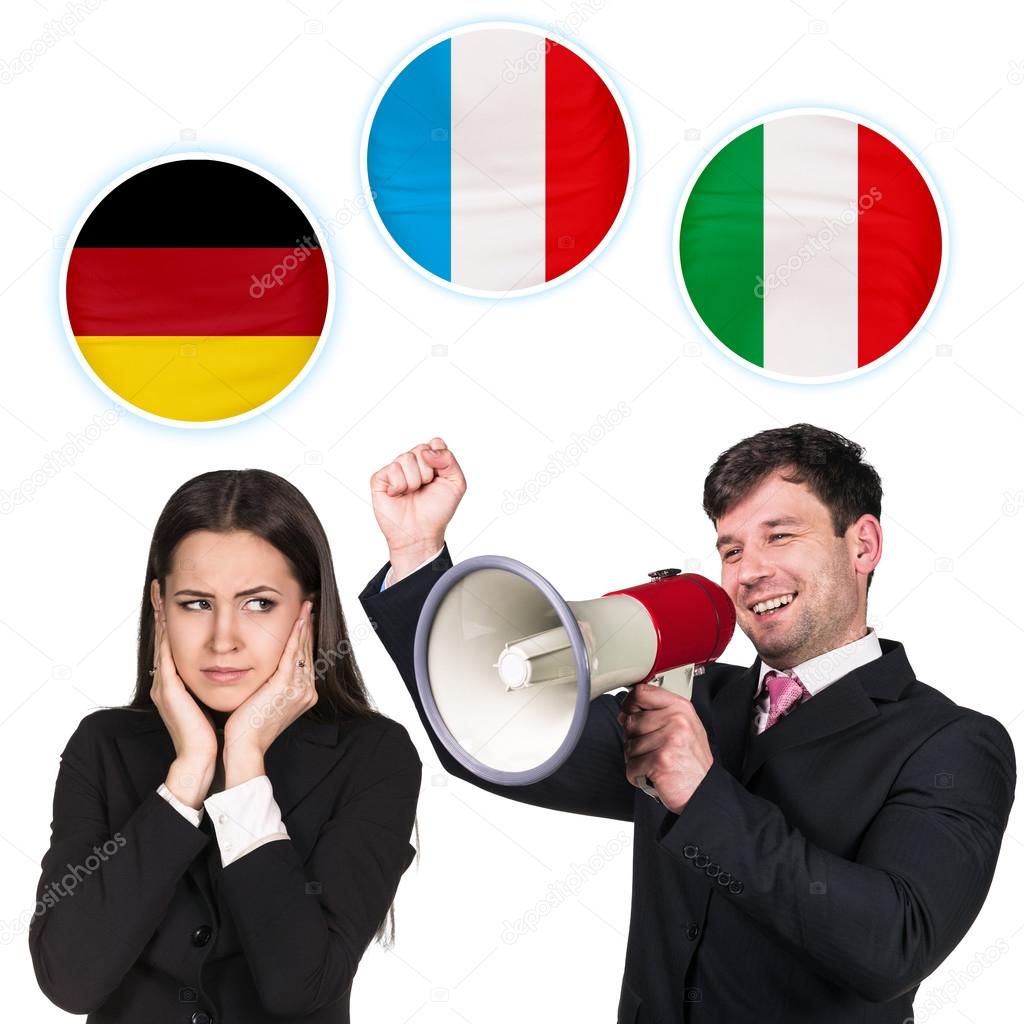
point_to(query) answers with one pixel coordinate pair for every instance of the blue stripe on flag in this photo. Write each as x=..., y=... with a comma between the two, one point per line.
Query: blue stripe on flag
x=408, y=159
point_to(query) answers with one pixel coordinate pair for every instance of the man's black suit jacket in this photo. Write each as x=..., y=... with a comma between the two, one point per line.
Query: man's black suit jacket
x=138, y=922
x=820, y=870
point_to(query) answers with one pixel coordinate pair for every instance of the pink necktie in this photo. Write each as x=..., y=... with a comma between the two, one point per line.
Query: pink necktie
x=784, y=692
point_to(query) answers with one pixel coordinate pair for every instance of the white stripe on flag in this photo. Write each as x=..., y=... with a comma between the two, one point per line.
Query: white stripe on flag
x=498, y=159
x=810, y=245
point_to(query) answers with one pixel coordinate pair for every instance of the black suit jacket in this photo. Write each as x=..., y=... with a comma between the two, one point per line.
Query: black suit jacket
x=148, y=927
x=820, y=870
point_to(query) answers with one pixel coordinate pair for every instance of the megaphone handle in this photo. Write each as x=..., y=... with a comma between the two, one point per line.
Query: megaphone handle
x=678, y=681
x=648, y=788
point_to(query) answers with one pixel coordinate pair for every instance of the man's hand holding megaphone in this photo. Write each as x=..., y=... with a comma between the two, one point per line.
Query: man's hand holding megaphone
x=665, y=741
x=414, y=498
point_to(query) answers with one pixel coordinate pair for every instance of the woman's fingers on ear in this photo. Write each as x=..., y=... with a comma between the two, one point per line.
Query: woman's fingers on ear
x=309, y=635
x=309, y=649
x=308, y=657
x=288, y=655
x=163, y=652
x=311, y=662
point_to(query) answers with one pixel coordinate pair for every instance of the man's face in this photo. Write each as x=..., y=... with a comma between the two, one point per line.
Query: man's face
x=230, y=602
x=778, y=544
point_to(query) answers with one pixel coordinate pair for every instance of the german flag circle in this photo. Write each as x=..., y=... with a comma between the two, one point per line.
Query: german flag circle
x=195, y=290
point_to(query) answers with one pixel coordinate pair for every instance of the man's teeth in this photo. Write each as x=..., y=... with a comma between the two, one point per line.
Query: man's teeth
x=767, y=606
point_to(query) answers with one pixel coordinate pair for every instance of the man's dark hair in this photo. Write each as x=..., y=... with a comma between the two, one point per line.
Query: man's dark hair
x=828, y=463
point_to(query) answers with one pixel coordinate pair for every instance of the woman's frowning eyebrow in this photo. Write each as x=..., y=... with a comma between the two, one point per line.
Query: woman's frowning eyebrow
x=242, y=593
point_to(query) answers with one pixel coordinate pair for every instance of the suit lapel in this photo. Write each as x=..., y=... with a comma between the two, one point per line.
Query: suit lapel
x=299, y=759
x=850, y=699
x=837, y=707
x=726, y=713
x=147, y=752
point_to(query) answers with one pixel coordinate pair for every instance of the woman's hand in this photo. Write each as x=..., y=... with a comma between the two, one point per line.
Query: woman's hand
x=263, y=716
x=195, y=742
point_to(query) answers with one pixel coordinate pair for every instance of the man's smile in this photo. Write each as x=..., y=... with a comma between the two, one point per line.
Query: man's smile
x=771, y=607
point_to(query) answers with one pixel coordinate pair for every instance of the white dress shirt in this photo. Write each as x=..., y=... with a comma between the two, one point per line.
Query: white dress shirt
x=244, y=817
x=817, y=673
x=387, y=578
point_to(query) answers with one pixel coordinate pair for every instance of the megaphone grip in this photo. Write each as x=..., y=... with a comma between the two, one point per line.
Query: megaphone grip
x=645, y=784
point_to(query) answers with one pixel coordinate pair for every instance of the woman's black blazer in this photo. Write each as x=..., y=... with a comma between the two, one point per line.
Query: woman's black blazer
x=136, y=921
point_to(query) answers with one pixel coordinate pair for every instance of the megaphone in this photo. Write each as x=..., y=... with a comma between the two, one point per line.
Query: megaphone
x=506, y=668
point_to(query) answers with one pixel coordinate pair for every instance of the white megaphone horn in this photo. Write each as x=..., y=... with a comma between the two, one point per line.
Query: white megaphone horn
x=506, y=668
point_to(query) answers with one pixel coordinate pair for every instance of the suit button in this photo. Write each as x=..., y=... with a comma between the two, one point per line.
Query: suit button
x=736, y=887
x=712, y=870
x=201, y=936
x=201, y=1017
x=689, y=852
x=692, y=931
x=701, y=860
x=724, y=878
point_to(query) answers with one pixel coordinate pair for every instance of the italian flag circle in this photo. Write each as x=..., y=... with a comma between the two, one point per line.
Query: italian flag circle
x=498, y=159
x=810, y=245
x=195, y=290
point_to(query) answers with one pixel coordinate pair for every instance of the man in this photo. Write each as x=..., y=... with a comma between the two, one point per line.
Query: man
x=829, y=825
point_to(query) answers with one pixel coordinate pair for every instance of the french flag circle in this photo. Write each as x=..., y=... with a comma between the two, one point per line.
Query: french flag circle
x=810, y=245
x=498, y=159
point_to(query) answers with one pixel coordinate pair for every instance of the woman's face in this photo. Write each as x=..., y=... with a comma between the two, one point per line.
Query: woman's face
x=230, y=601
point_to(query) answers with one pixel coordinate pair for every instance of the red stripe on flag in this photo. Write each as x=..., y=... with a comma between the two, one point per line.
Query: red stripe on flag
x=899, y=245
x=587, y=157
x=197, y=291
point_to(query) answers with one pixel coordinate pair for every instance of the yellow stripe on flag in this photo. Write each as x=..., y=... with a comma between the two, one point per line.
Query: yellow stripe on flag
x=196, y=378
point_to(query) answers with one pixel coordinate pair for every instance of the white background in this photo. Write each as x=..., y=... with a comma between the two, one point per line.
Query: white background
x=287, y=86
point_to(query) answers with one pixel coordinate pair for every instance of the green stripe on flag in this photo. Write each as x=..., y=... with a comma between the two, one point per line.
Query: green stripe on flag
x=721, y=245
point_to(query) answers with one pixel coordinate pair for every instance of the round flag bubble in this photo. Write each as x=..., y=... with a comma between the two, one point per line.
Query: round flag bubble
x=810, y=246
x=195, y=290
x=498, y=160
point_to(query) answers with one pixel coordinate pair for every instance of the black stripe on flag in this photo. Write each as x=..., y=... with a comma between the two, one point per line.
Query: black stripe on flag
x=197, y=202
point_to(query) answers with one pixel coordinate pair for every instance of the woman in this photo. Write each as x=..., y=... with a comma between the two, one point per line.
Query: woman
x=225, y=847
